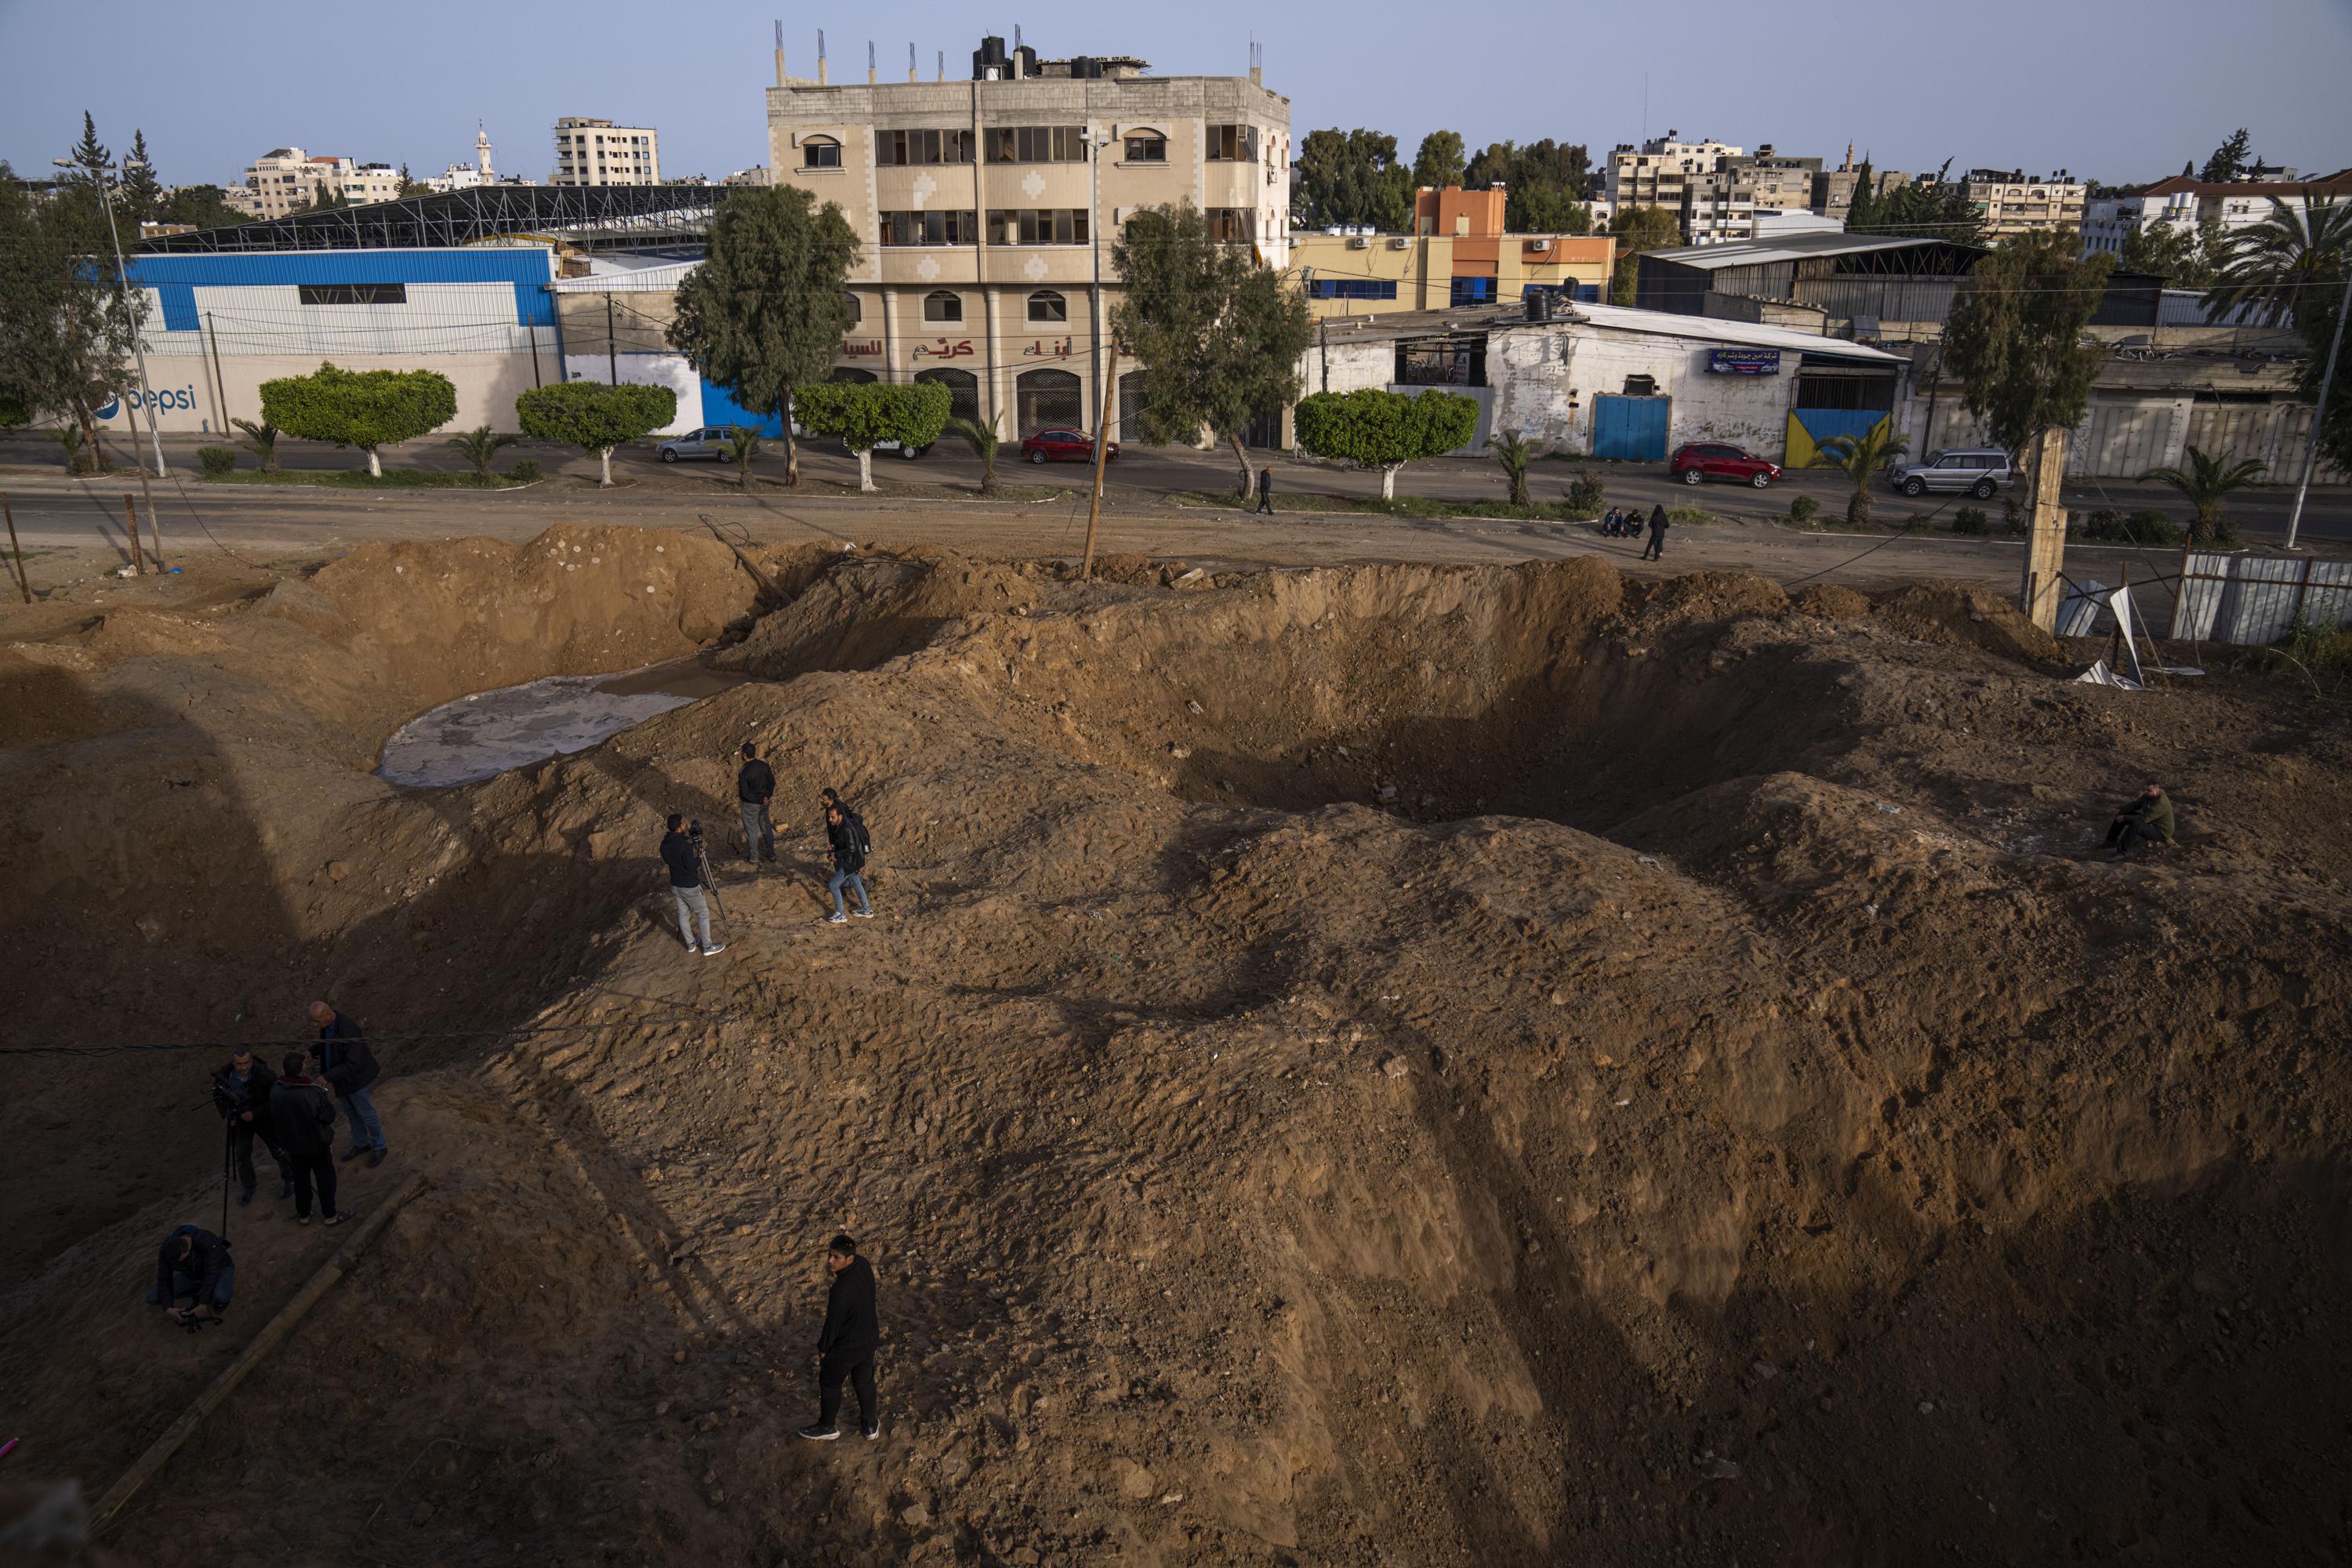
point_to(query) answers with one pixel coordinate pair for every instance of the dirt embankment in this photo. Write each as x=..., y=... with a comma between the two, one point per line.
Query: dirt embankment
x=1353, y=1066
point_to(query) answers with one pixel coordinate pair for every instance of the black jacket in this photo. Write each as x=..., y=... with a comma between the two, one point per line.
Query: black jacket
x=233, y=1096
x=1265, y=481
x=1658, y=518
x=303, y=1116
x=850, y=1327
x=755, y=782
x=684, y=865
x=842, y=835
x=344, y=1059
x=203, y=1265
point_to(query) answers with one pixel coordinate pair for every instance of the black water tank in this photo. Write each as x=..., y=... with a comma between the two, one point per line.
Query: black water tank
x=990, y=53
x=1539, y=304
x=1026, y=58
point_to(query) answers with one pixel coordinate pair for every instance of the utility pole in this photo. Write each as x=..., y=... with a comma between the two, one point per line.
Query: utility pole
x=1102, y=450
x=2319, y=414
x=138, y=348
x=612, y=346
x=1094, y=234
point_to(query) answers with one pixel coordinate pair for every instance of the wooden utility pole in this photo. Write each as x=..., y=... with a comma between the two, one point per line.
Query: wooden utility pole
x=1102, y=451
x=131, y=521
x=2045, y=539
x=15, y=550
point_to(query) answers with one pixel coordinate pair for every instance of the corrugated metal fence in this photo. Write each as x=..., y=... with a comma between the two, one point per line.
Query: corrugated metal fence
x=2256, y=599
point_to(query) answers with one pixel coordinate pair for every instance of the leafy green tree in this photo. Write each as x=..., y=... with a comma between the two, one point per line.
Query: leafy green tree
x=1438, y=161
x=2229, y=160
x=743, y=444
x=1350, y=177
x=2285, y=264
x=480, y=447
x=1385, y=430
x=2184, y=259
x=1546, y=185
x=261, y=440
x=67, y=330
x=202, y=205
x=1639, y=229
x=2205, y=484
x=1861, y=458
x=1514, y=454
x=1219, y=335
x=594, y=417
x=764, y=312
x=369, y=409
x=862, y=413
x=409, y=187
x=141, y=195
x=1931, y=209
x=982, y=439
x=2015, y=335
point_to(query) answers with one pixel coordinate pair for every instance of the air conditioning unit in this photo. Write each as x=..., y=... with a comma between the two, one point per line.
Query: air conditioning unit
x=1358, y=242
x=1401, y=243
x=1540, y=245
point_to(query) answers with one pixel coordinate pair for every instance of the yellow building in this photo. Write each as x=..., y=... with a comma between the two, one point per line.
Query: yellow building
x=1458, y=254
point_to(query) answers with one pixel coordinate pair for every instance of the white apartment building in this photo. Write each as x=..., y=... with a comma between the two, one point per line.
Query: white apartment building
x=599, y=152
x=1655, y=173
x=286, y=179
x=2008, y=203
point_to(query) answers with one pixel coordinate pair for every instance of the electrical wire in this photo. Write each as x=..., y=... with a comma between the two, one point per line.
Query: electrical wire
x=113, y=1047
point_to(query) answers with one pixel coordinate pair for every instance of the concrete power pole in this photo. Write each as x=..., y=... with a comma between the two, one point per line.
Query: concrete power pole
x=2045, y=541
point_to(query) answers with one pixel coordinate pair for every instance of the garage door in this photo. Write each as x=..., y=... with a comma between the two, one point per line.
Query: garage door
x=1631, y=429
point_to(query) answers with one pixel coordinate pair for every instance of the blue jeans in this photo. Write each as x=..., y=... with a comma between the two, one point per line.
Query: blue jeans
x=367, y=1132
x=855, y=880
x=184, y=1286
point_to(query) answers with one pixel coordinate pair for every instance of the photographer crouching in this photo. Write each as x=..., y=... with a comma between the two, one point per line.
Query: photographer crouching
x=689, y=875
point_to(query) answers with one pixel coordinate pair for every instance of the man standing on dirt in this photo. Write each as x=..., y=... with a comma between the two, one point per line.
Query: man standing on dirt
x=755, y=786
x=1656, y=548
x=305, y=1122
x=846, y=1345
x=1266, y=491
x=348, y=1066
x=846, y=834
x=192, y=1262
x=2145, y=820
x=241, y=1094
x=683, y=856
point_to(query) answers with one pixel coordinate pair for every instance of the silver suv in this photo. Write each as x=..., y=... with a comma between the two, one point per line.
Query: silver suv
x=1976, y=470
x=711, y=441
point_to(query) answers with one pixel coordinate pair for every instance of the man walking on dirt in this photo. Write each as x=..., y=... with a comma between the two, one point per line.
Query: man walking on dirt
x=683, y=856
x=1656, y=548
x=241, y=1094
x=304, y=1119
x=846, y=834
x=755, y=787
x=192, y=1262
x=2145, y=820
x=1266, y=491
x=348, y=1067
x=846, y=1345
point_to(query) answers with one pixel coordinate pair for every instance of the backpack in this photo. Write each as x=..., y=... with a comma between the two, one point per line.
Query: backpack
x=859, y=839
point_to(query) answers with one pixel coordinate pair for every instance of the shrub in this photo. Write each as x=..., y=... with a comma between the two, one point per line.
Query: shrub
x=1385, y=430
x=2325, y=651
x=368, y=409
x=525, y=470
x=216, y=459
x=1684, y=515
x=1803, y=510
x=595, y=417
x=2012, y=516
x=1586, y=496
x=2104, y=524
x=2145, y=526
x=1969, y=520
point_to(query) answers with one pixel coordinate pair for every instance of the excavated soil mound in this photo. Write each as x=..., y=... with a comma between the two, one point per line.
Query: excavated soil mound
x=1351, y=1065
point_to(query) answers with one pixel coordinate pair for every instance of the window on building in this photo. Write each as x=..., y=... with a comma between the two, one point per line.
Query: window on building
x=820, y=152
x=1037, y=143
x=1352, y=288
x=893, y=147
x=1232, y=143
x=856, y=308
x=929, y=228
x=1472, y=291
x=354, y=293
x=1037, y=225
x=1145, y=147
x=1235, y=224
x=943, y=305
x=1045, y=305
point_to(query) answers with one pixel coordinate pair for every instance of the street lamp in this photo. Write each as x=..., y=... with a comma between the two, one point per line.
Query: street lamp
x=1094, y=234
x=122, y=280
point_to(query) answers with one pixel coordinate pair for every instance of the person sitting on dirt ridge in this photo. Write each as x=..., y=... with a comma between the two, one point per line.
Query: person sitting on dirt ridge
x=1656, y=548
x=192, y=1262
x=348, y=1066
x=683, y=856
x=2146, y=818
x=241, y=1094
x=755, y=786
x=846, y=834
x=304, y=1119
x=846, y=1345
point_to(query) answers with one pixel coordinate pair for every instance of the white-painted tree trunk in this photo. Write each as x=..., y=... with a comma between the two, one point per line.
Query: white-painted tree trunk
x=605, y=454
x=376, y=468
x=865, y=467
x=1388, y=481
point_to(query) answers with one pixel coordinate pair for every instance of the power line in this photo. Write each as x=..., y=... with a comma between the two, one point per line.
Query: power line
x=117, y=1047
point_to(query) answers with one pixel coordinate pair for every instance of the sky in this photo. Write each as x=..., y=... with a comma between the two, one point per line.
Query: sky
x=2119, y=91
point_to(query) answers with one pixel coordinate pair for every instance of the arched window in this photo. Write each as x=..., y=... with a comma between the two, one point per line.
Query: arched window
x=1045, y=305
x=856, y=308
x=943, y=305
x=1145, y=146
x=820, y=152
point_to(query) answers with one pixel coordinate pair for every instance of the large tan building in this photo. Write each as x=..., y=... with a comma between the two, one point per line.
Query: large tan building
x=1458, y=254
x=2009, y=204
x=286, y=179
x=987, y=205
x=599, y=152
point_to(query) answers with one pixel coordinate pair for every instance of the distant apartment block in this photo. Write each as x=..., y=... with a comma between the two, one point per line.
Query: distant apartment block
x=1655, y=173
x=286, y=179
x=599, y=152
x=2008, y=203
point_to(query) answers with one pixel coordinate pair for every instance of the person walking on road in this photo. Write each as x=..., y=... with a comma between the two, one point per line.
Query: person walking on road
x=683, y=856
x=1656, y=548
x=846, y=1345
x=847, y=833
x=755, y=787
x=347, y=1067
x=241, y=1094
x=2146, y=820
x=304, y=1119
x=193, y=1262
x=1266, y=491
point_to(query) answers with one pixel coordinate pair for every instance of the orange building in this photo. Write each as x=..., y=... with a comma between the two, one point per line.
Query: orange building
x=1459, y=253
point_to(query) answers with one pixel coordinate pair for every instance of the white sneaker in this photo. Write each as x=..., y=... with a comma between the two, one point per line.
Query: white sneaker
x=714, y=950
x=836, y=920
x=864, y=914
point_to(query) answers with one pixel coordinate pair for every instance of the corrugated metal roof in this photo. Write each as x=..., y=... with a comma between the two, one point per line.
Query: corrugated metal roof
x=1785, y=247
x=1731, y=334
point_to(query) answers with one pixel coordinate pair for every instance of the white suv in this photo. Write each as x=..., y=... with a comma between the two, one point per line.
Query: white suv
x=1976, y=470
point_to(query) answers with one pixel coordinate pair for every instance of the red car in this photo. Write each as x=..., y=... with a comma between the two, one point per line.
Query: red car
x=1709, y=460
x=1065, y=446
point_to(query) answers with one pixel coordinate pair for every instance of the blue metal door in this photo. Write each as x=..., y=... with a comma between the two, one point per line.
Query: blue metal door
x=1630, y=429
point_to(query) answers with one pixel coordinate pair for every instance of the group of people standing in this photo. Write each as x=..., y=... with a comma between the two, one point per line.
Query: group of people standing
x=846, y=840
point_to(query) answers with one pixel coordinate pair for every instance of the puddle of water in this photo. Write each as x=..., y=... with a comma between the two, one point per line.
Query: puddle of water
x=481, y=736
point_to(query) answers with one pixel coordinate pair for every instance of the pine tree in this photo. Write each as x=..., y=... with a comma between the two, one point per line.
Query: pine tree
x=89, y=157
x=143, y=195
x=1863, y=210
x=2229, y=160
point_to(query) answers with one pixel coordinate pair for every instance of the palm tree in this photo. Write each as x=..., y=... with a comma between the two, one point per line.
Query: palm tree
x=261, y=440
x=2283, y=261
x=982, y=439
x=2202, y=485
x=480, y=447
x=1514, y=453
x=1859, y=458
x=745, y=443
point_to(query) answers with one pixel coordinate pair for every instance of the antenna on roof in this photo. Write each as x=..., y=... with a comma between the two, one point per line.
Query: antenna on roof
x=943, y=65
x=779, y=32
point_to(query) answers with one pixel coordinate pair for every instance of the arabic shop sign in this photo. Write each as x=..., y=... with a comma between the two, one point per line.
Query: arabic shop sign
x=871, y=348
x=1743, y=362
x=941, y=347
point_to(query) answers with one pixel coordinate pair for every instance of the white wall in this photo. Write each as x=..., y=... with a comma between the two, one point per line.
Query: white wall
x=1534, y=373
x=487, y=386
x=646, y=370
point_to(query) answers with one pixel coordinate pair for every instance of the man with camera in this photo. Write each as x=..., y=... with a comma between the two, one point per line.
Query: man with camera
x=193, y=1263
x=241, y=1094
x=681, y=852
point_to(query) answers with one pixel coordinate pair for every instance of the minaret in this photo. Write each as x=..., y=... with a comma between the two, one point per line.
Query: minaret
x=482, y=151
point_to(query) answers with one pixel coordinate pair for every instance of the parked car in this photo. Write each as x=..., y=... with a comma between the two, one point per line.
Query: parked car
x=882, y=446
x=1712, y=461
x=711, y=441
x=1976, y=470
x=1065, y=446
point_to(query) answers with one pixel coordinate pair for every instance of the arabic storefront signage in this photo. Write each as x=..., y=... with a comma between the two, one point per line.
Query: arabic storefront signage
x=940, y=348
x=870, y=349
x=1743, y=362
